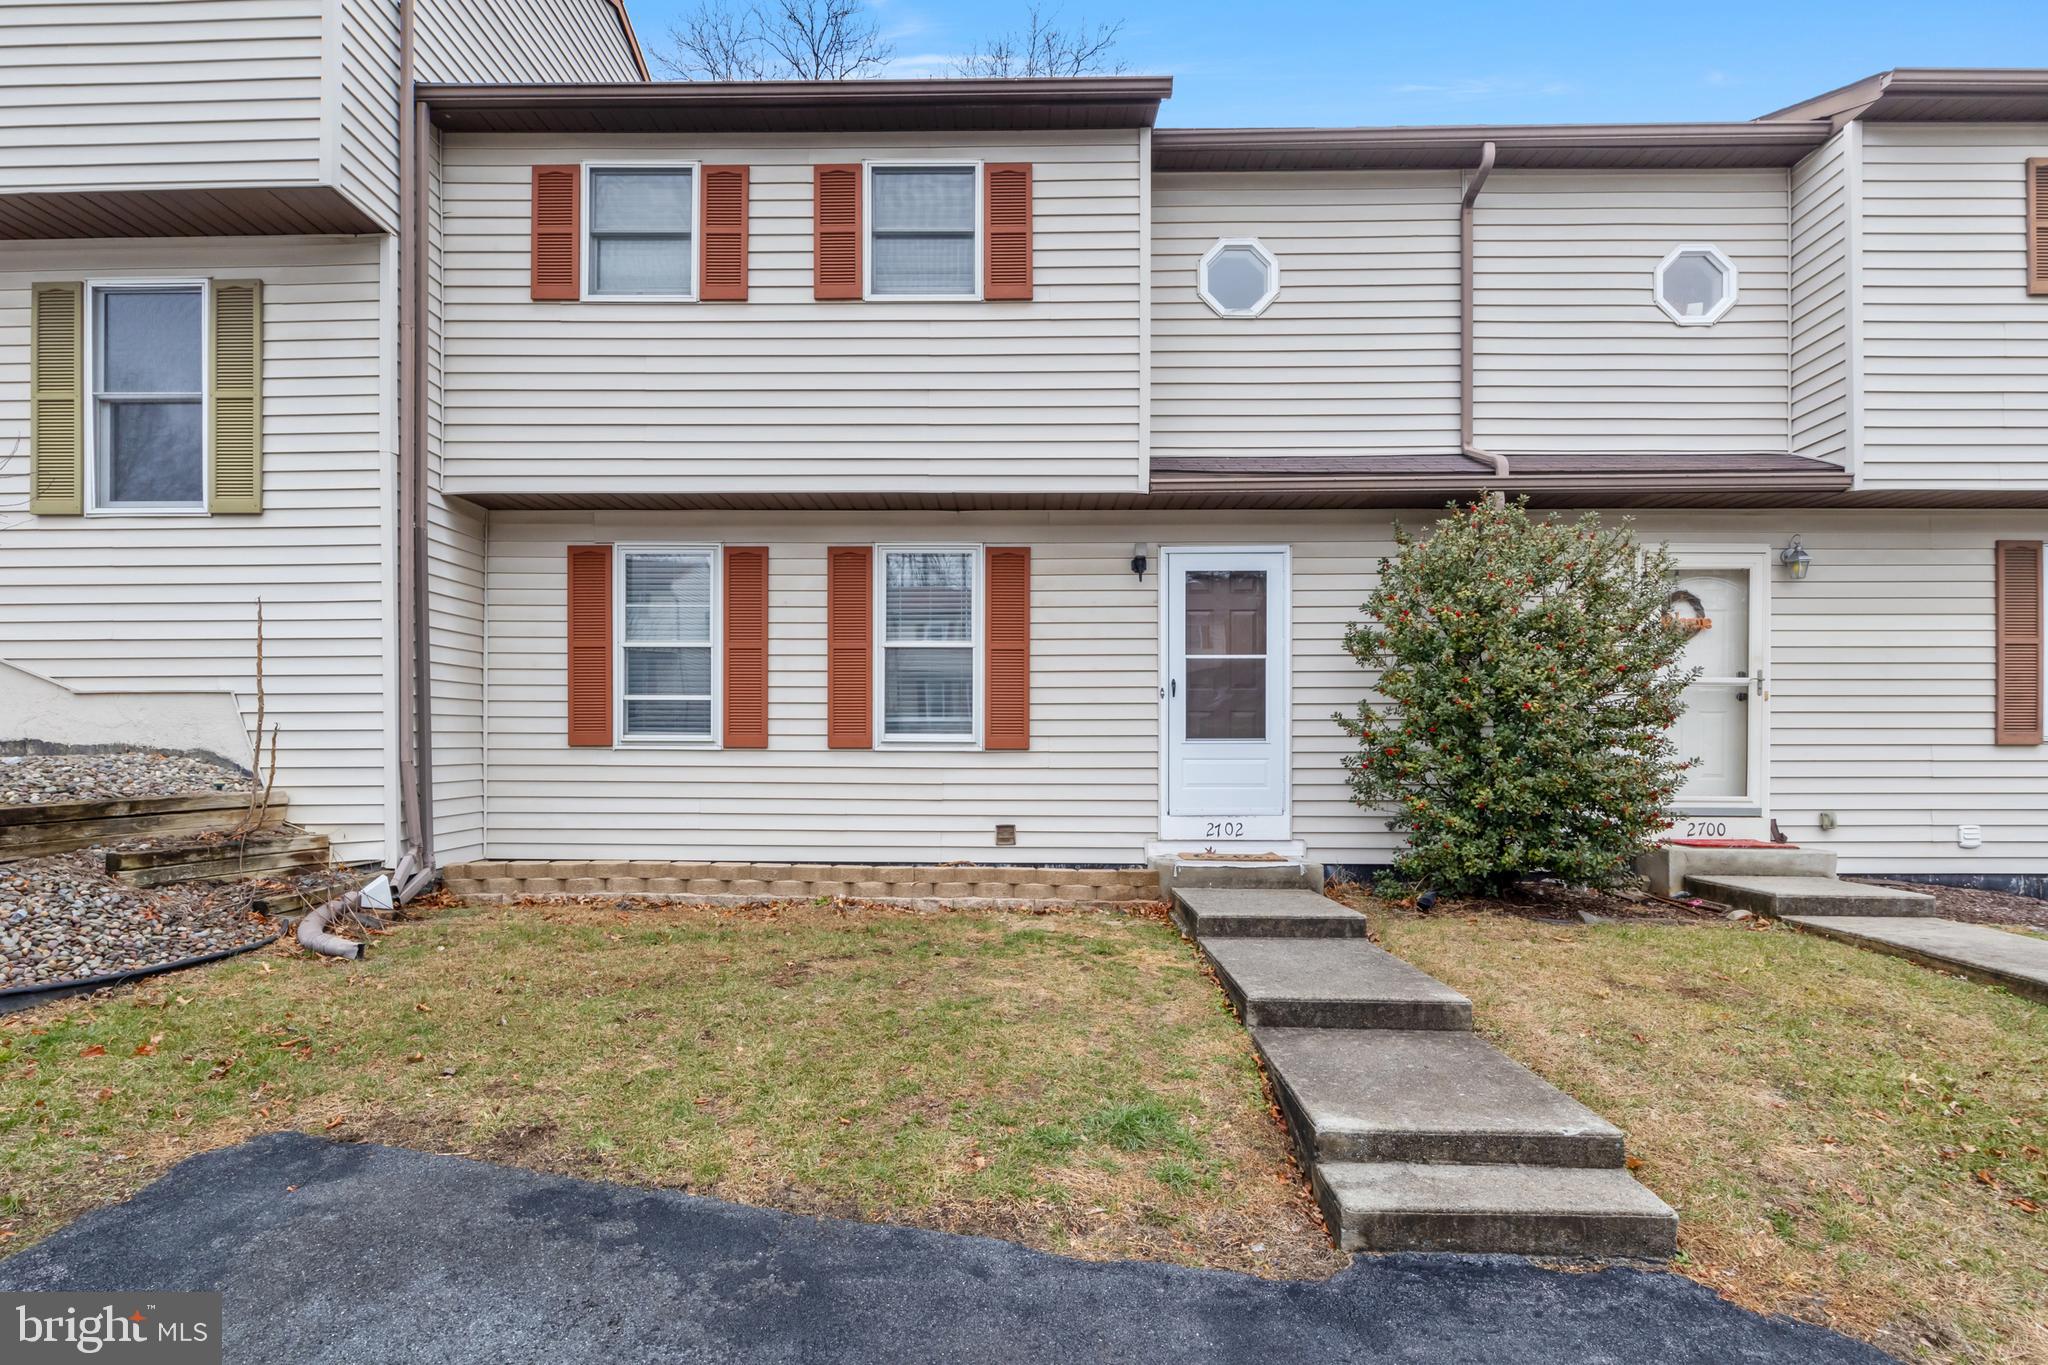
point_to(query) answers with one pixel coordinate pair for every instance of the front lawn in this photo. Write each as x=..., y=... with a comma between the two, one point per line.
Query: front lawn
x=1072, y=1082
x=1848, y=1138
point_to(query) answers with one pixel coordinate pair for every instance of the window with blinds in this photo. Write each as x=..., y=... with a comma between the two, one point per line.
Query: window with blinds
x=666, y=643
x=642, y=231
x=922, y=228
x=148, y=430
x=928, y=644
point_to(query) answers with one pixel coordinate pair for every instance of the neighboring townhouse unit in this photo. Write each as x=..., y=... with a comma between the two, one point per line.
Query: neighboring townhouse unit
x=916, y=471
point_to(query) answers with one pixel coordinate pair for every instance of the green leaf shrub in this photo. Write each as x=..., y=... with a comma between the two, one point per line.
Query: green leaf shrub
x=1528, y=678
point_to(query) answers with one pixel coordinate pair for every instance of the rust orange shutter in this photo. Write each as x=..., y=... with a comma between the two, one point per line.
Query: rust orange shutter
x=590, y=646
x=2037, y=225
x=2017, y=587
x=557, y=225
x=849, y=647
x=835, y=222
x=1006, y=210
x=1008, y=649
x=746, y=647
x=724, y=234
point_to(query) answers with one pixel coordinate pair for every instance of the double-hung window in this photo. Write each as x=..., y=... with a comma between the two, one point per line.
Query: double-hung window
x=643, y=230
x=929, y=610
x=148, y=348
x=666, y=678
x=924, y=238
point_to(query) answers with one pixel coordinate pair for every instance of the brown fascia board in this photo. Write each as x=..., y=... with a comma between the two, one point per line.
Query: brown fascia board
x=632, y=38
x=1525, y=146
x=1930, y=94
x=802, y=106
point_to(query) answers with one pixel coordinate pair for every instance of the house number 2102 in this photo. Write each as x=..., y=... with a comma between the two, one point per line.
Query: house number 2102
x=1225, y=829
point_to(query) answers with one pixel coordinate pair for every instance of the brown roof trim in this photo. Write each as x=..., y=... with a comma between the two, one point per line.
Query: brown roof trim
x=806, y=106
x=1930, y=95
x=1590, y=475
x=1544, y=146
x=224, y=211
x=632, y=38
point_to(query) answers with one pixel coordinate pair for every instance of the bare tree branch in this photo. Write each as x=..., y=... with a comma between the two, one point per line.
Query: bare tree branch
x=811, y=40
x=1046, y=48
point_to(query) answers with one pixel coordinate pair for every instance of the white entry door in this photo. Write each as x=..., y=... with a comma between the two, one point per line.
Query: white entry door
x=1726, y=716
x=1226, y=694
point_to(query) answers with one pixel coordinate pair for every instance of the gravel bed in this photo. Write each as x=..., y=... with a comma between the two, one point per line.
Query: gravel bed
x=41, y=779
x=63, y=918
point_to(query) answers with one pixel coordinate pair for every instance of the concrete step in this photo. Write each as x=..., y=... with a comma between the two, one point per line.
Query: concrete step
x=1285, y=874
x=1263, y=913
x=1519, y=1210
x=1668, y=865
x=1331, y=983
x=1382, y=1095
x=2017, y=962
x=1807, y=896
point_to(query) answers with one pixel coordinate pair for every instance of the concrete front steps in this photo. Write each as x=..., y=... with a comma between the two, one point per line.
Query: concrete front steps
x=1418, y=1134
x=1769, y=879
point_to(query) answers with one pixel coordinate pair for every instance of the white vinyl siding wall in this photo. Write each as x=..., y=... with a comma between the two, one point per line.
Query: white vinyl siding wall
x=782, y=391
x=1573, y=354
x=366, y=107
x=1823, y=310
x=544, y=41
x=1955, y=351
x=1881, y=690
x=1360, y=350
x=107, y=95
x=168, y=603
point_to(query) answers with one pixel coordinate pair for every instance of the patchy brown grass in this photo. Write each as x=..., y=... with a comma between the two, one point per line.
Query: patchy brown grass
x=1072, y=1082
x=1848, y=1138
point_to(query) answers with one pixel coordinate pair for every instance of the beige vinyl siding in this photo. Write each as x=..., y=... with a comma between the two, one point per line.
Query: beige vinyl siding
x=523, y=40
x=1572, y=352
x=1360, y=350
x=134, y=94
x=1823, y=308
x=1880, y=680
x=782, y=391
x=168, y=603
x=1956, y=352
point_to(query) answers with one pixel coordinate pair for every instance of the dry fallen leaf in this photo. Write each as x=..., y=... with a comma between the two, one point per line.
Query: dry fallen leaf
x=94, y=1051
x=336, y=1122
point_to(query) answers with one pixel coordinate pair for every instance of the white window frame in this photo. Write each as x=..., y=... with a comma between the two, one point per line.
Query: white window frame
x=90, y=335
x=1719, y=310
x=977, y=574
x=1222, y=245
x=867, y=229
x=626, y=738
x=583, y=232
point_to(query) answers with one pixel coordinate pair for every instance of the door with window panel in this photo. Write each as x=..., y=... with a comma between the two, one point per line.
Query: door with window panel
x=666, y=678
x=1227, y=689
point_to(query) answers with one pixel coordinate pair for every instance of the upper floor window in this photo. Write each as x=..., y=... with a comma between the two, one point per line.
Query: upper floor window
x=666, y=678
x=1695, y=285
x=928, y=643
x=148, y=448
x=1238, y=277
x=924, y=231
x=643, y=226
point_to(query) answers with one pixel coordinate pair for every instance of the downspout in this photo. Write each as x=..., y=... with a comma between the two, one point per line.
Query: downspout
x=1465, y=291
x=416, y=755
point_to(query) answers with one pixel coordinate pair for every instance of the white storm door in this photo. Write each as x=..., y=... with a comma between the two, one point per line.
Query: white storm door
x=1725, y=717
x=1226, y=694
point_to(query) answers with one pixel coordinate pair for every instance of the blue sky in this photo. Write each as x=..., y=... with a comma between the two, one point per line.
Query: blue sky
x=1273, y=63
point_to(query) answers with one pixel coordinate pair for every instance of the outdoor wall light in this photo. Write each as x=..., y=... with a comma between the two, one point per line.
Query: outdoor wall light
x=1139, y=562
x=1796, y=560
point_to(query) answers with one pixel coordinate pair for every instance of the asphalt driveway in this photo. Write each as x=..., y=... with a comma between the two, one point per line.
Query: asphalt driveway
x=329, y=1252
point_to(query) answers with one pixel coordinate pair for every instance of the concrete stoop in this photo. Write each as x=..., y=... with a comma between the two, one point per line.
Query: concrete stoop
x=1418, y=1134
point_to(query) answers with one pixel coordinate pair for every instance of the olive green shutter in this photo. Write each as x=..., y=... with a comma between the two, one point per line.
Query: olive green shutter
x=234, y=391
x=56, y=413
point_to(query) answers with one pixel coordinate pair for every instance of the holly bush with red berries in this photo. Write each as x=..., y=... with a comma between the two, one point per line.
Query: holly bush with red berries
x=1527, y=680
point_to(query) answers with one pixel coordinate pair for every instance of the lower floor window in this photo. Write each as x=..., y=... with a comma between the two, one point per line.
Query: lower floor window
x=667, y=643
x=928, y=616
x=148, y=357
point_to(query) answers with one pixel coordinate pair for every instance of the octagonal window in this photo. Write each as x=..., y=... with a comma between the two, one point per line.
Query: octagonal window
x=1238, y=277
x=1695, y=285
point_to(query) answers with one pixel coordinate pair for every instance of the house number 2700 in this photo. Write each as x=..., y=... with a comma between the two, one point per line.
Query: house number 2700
x=1225, y=829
